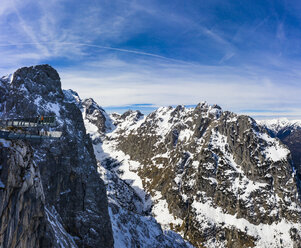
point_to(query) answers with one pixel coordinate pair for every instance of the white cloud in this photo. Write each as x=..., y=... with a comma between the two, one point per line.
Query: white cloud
x=115, y=83
x=85, y=37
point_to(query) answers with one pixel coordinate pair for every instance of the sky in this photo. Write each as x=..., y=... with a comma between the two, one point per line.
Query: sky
x=242, y=55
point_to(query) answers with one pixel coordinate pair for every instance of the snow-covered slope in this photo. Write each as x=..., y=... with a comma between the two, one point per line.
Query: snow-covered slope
x=129, y=204
x=289, y=132
x=215, y=178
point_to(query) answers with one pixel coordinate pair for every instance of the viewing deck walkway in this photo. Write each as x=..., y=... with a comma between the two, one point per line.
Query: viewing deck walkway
x=29, y=128
x=29, y=122
x=26, y=136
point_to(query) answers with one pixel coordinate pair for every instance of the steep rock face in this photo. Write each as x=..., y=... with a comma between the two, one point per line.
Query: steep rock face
x=293, y=141
x=129, y=205
x=75, y=194
x=25, y=219
x=214, y=177
x=22, y=221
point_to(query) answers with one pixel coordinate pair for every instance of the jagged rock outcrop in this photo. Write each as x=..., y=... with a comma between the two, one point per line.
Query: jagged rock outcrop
x=25, y=219
x=95, y=114
x=75, y=195
x=214, y=177
x=22, y=216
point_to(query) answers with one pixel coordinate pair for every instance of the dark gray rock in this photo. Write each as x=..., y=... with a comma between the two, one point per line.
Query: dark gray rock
x=25, y=220
x=22, y=217
x=72, y=185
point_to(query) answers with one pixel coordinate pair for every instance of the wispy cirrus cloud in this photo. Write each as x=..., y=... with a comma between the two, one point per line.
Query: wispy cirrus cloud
x=164, y=53
x=164, y=84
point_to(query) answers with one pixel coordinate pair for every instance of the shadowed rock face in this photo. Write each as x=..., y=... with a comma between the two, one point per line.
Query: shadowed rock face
x=25, y=220
x=292, y=138
x=74, y=193
x=293, y=141
x=22, y=216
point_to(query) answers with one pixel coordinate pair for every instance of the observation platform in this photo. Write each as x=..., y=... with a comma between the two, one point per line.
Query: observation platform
x=29, y=128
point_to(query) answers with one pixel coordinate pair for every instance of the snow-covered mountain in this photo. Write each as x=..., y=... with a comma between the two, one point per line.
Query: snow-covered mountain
x=178, y=177
x=129, y=205
x=289, y=132
x=215, y=178
x=278, y=125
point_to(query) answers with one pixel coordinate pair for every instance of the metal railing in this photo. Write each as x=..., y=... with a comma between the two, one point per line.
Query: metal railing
x=29, y=122
x=25, y=136
x=13, y=129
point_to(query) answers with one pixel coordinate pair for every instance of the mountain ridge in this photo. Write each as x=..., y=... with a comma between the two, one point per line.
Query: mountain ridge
x=135, y=129
x=178, y=177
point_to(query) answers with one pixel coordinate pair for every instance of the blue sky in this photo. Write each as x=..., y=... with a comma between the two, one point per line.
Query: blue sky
x=242, y=55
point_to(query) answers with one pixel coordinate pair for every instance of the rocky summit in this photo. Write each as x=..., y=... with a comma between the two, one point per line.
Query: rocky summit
x=216, y=178
x=75, y=200
x=178, y=177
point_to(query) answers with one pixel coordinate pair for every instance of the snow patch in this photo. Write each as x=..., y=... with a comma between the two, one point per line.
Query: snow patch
x=126, y=170
x=162, y=214
x=274, y=150
x=268, y=235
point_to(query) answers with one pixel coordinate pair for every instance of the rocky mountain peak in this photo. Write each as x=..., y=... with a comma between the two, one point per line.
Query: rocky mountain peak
x=90, y=106
x=125, y=120
x=75, y=195
x=96, y=115
x=202, y=105
x=131, y=114
x=42, y=79
x=33, y=91
x=216, y=106
x=277, y=125
x=211, y=175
